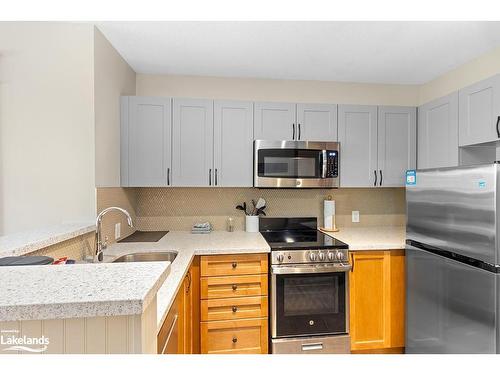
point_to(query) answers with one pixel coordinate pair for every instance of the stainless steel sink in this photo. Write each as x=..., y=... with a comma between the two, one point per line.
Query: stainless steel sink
x=161, y=256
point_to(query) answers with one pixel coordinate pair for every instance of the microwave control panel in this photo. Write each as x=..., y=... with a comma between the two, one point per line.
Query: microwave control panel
x=332, y=164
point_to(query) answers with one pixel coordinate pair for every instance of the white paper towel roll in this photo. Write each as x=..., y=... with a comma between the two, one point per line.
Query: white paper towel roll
x=329, y=213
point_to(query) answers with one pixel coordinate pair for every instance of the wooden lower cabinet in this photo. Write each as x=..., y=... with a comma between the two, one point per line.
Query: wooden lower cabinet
x=180, y=331
x=239, y=336
x=234, y=304
x=377, y=301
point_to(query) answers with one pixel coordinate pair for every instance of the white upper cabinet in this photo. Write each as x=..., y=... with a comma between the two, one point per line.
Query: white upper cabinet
x=145, y=141
x=316, y=122
x=233, y=143
x=275, y=121
x=357, y=128
x=192, y=142
x=397, y=144
x=437, y=133
x=479, y=118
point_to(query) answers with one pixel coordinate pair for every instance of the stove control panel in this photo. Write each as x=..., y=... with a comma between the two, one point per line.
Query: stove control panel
x=309, y=256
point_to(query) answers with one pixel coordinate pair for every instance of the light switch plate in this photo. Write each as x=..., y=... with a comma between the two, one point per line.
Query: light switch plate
x=355, y=216
x=118, y=227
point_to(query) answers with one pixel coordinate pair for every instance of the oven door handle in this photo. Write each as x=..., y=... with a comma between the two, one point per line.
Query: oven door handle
x=288, y=270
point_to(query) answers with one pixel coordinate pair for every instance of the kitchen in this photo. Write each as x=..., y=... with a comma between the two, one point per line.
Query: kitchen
x=338, y=219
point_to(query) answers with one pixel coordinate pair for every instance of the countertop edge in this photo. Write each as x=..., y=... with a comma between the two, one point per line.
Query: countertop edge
x=85, y=309
x=27, y=242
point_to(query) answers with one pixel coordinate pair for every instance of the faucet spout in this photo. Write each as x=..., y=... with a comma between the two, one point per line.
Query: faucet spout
x=99, y=244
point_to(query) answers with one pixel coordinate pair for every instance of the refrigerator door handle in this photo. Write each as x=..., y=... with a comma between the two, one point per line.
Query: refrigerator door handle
x=498, y=123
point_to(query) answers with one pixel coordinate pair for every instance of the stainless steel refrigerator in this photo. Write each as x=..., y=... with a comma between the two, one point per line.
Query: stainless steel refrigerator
x=452, y=260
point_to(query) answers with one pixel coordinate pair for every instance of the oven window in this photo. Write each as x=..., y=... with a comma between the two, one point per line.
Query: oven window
x=289, y=163
x=310, y=304
x=311, y=295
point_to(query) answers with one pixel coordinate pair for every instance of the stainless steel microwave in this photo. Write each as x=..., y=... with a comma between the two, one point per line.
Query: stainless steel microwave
x=296, y=164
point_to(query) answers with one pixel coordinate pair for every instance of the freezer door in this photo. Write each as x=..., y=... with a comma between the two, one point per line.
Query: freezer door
x=451, y=307
x=455, y=209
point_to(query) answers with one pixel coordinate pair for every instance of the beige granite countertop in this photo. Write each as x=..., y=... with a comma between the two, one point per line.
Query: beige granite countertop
x=372, y=238
x=187, y=246
x=79, y=290
x=29, y=241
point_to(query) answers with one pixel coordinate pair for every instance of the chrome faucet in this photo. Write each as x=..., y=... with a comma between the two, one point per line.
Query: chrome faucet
x=99, y=244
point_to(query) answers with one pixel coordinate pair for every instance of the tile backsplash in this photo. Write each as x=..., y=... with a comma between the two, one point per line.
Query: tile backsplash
x=179, y=208
x=77, y=248
x=125, y=198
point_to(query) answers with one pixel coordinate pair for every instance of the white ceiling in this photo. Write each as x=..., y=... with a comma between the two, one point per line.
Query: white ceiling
x=376, y=52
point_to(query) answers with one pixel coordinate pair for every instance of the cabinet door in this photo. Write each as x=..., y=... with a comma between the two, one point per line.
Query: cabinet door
x=369, y=300
x=437, y=144
x=233, y=143
x=168, y=339
x=145, y=141
x=397, y=144
x=377, y=301
x=316, y=122
x=274, y=121
x=192, y=146
x=358, y=145
x=479, y=106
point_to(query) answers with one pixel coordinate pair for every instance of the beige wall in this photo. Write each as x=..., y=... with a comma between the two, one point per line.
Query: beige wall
x=113, y=78
x=179, y=208
x=276, y=90
x=47, y=167
x=480, y=68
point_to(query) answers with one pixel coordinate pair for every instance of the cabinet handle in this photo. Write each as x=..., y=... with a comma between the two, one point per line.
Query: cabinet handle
x=234, y=286
x=216, y=183
x=168, y=176
x=380, y=178
x=299, y=132
x=234, y=265
x=235, y=340
x=210, y=177
x=315, y=346
x=375, y=173
x=498, y=123
x=293, y=131
x=189, y=282
x=170, y=332
x=352, y=262
x=234, y=309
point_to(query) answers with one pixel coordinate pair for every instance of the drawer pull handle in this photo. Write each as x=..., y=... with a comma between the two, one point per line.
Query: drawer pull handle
x=235, y=309
x=315, y=346
x=235, y=286
x=235, y=264
x=235, y=340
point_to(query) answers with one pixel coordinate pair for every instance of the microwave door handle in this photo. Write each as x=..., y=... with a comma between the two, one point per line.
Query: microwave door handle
x=324, y=161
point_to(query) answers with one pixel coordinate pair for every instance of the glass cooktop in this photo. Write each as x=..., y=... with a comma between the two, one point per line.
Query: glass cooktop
x=295, y=234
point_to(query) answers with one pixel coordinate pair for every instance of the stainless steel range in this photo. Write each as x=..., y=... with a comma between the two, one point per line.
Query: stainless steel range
x=309, y=287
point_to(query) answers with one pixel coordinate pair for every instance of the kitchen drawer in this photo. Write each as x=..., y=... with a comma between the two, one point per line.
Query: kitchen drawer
x=227, y=265
x=245, y=336
x=233, y=286
x=234, y=308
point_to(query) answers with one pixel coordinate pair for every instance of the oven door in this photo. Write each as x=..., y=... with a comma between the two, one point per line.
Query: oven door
x=309, y=300
x=295, y=164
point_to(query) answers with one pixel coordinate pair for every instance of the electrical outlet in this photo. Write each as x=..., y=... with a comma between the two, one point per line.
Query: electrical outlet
x=355, y=216
x=118, y=227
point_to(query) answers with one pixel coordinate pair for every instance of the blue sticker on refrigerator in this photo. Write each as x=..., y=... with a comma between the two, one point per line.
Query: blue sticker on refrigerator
x=411, y=177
